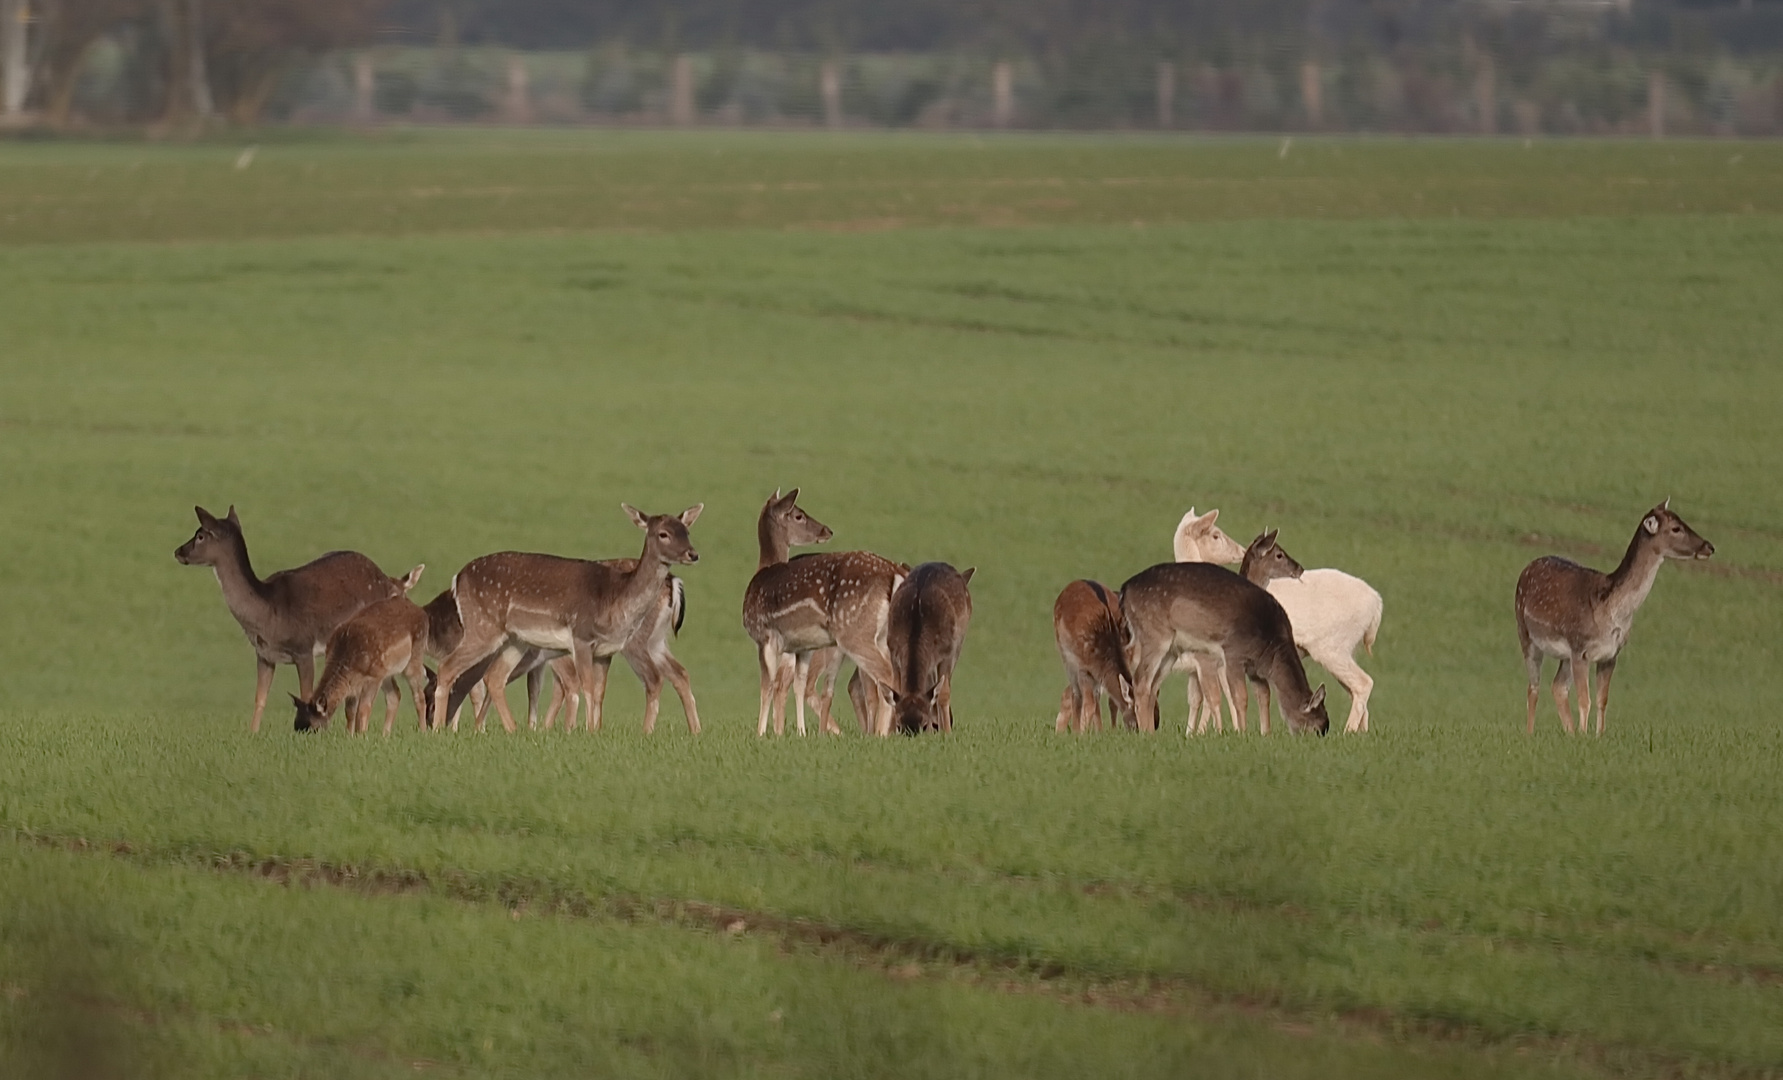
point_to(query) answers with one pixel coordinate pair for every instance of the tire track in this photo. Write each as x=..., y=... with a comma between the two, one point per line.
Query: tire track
x=908, y=957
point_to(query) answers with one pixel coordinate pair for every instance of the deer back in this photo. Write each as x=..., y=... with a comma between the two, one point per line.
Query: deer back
x=930, y=612
x=809, y=597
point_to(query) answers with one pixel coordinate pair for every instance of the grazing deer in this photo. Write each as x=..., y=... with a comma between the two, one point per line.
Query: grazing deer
x=1265, y=561
x=930, y=612
x=289, y=616
x=368, y=651
x=799, y=606
x=588, y=609
x=1176, y=607
x=1086, y=621
x=1198, y=539
x=1583, y=616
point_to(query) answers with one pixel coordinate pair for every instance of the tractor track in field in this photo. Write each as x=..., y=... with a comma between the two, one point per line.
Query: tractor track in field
x=905, y=957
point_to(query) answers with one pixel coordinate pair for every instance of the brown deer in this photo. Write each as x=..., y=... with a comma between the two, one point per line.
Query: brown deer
x=1174, y=608
x=1583, y=616
x=799, y=606
x=1086, y=620
x=289, y=616
x=368, y=651
x=930, y=613
x=1265, y=560
x=588, y=609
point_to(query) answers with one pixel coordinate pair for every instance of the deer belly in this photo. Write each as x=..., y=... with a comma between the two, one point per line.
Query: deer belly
x=542, y=633
x=807, y=638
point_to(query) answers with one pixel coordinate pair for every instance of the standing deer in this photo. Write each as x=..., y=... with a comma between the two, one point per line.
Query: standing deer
x=289, y=616
x=648, y=655
x=799, y=606
x=930, y=612
x=1086, y=621
x=1583, y=616
x=588, y=609
x=1174, y=608
x=1198, y=539
x=368, y=651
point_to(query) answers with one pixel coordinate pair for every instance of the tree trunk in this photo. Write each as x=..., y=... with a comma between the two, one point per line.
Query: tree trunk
x=198, y=78
x=15, y=70
x=246, y=109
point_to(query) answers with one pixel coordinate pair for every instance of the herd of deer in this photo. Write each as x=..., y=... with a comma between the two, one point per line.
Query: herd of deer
x=513, y=614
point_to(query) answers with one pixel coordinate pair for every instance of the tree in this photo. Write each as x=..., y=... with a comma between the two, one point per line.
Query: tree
x=251, y=44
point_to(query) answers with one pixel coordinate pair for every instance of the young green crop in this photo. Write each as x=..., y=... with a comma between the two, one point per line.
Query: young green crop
x=1426, y=403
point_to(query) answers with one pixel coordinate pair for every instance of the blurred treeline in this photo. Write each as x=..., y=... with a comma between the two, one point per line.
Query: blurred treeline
x=1529, y=66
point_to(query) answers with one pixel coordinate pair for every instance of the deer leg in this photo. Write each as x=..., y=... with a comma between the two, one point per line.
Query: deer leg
x=1210, y=678
x=1562, y=675
x=535, y=681
x=392, y=702
x=416, y=674
x=1238, y=697
x=767, y=658
x=1148, y=676
x=684, y=689
x=1581, y=690
x=1193, y=694
x=559, y=695
x=652, y=680
x=857, y=697
x=472, y=650
x=597, y=690
x=1605, y=669
x=944, y=701
x=1069, y=706
x=783, y=672
x=1356, y=682
x=801, y=672
x=868, y=654
x=830, y=670
x=497, y=682
x=1261, y=686
x=1532, y=663
x=263, y=686
x=1089, y=708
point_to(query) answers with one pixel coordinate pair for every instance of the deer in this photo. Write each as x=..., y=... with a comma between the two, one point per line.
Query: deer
x=366, y=652
x=1583, y=616
x=585, y=608
x=1087, y=623
x=799, y=606
x=289, y=616
x=931, y=610
x=1265, y=560
x=1199, y=539
x=1189, y=606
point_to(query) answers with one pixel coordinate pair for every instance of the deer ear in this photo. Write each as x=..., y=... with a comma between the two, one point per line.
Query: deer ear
x=232, y=519
x=1318, y=697
x=1126, y=686
x=692, y=514
x=205, y=517
x=1651, y=524
x=1206, y=520
x=1269, y=537
x=1667, y=504
x=967, y=573
x=637, y=517
x=792, y=496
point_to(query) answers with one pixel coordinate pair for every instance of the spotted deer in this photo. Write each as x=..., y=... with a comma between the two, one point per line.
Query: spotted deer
x=1583, y=616
x=366, y=653
x=648, y=655
x=798, y=606
x=1086, y=622
x=1174, y=608
x=289, y=616
x=587, y=609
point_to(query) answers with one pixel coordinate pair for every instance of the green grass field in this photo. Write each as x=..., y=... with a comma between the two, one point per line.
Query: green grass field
x=1425, y=362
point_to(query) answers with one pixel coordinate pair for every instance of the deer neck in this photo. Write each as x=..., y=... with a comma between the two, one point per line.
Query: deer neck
x=772, y=536
x=1286, y=676
x=645, y=584
x=1631, y=581
x=243, y=592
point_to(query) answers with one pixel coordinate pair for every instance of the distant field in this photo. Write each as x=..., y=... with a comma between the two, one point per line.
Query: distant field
x=427, y=346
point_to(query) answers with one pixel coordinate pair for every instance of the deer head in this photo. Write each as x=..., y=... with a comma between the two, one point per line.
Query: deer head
x=913, y=714
x=1667, y=533
x=216, y=539
x=1265, y=560
x=1198, y=539
x=1309, y=717
x=665, y=535
x=309, y=717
